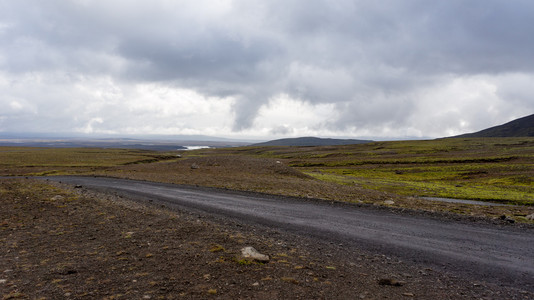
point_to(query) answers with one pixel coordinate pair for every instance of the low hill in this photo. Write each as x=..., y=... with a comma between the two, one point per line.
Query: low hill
x=517, y=128
x=311, y=141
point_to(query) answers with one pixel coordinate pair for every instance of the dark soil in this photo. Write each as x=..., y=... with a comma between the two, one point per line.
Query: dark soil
x=59, y=242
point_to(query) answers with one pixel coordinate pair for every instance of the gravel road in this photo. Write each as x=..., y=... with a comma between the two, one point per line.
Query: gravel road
x=500, y=254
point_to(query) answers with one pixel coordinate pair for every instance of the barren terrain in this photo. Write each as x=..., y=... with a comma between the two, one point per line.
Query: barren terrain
x=60, y=242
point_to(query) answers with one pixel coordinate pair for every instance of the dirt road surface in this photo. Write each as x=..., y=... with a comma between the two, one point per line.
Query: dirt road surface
x=496, y=253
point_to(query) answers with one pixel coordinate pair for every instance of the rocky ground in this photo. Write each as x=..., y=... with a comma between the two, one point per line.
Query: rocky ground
x=59, y=242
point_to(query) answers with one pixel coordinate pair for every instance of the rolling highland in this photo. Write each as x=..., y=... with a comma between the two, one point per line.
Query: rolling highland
x=312, y=141
x=517, y=128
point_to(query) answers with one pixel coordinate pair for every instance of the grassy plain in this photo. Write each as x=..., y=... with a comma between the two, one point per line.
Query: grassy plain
x=498, y=170
x=488, y=169
x=29, y=161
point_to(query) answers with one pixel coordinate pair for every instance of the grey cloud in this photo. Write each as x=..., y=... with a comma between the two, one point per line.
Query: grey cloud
x=382, y=110
x=466, y=37
x=368, y=57
x=281, y=130
x=208, y=58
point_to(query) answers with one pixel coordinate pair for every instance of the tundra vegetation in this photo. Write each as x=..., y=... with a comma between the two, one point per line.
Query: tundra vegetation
x=488, y=169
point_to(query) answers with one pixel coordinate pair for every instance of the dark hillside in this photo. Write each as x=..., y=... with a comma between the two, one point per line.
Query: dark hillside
x=517, y=128
x=311, y=141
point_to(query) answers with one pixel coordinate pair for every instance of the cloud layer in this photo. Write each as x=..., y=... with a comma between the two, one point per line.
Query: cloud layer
x=265, y=69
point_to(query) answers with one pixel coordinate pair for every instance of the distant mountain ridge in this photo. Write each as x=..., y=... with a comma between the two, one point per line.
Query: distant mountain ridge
x=311, y=141
x=521, y=127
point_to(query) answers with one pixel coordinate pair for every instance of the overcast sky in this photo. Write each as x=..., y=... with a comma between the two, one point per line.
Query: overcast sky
x=265, y=69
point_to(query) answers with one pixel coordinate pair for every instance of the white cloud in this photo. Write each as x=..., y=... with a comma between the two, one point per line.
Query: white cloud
x=168, y=110
x=471, y=103
x=89, y=127
x=101, y=105
x=235, y=67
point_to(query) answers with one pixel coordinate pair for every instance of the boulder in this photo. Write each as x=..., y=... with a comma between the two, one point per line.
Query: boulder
x=250, y=253
x=530, y=217
x=57, y=198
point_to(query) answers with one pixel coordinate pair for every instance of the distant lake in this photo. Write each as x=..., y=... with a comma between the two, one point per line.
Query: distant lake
x=195, y=147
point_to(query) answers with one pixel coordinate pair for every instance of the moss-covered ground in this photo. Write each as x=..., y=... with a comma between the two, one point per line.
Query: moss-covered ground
x=488, y=169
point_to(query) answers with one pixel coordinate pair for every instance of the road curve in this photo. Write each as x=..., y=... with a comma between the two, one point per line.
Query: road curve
x=502, y=254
